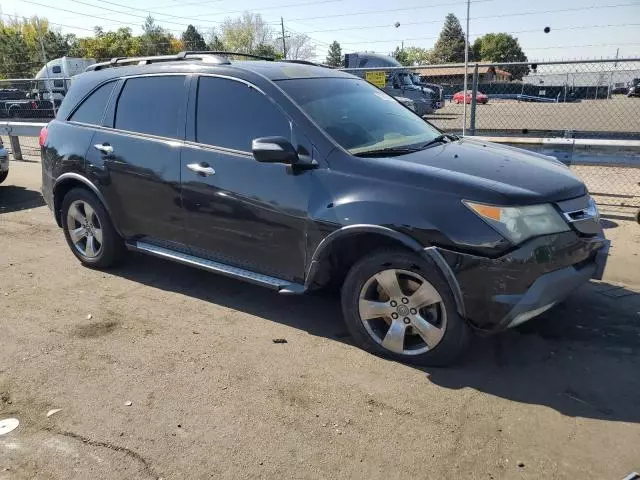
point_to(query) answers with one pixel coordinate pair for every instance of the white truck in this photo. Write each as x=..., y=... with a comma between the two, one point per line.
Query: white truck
x=55, y=76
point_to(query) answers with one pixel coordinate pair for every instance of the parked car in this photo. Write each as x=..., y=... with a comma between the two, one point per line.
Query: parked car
x=396, y=81
x=317, y=179
x=4, y=162
x=634, y=88
x=459, y=97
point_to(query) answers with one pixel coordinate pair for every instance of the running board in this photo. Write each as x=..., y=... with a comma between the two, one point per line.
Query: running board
x=282, y=286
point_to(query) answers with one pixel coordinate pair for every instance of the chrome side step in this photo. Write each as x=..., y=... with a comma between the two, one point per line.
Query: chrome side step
x=283, y=286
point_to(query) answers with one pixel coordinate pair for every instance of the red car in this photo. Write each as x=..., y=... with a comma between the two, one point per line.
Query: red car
x=480, y=97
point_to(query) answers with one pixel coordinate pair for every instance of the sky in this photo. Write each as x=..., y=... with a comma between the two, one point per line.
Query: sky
x=579, y=28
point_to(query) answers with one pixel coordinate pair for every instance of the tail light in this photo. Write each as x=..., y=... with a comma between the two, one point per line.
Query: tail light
x=44, y=133
x=34, y=105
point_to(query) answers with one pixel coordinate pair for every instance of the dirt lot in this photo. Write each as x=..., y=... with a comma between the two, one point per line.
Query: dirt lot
x=620, y=114
x=213, y=397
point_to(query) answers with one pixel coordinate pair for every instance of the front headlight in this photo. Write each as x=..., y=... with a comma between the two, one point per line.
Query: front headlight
x=517, y=224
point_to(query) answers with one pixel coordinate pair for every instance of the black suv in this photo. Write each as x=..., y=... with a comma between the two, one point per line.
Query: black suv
x=296, y=177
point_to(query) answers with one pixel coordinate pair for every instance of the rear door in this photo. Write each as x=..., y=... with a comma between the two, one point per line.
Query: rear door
x=242, y=212
x=136, y=155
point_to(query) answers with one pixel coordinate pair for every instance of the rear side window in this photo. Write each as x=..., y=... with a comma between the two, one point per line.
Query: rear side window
x=151, y=105
x=231, y=114
x=92, y=109
x=57, y=69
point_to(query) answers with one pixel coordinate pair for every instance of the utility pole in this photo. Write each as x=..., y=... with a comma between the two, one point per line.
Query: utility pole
x=284, y=44
x=466, y=66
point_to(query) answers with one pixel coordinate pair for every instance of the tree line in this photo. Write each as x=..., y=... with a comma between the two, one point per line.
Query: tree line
x=21, y=50
x=449, y=48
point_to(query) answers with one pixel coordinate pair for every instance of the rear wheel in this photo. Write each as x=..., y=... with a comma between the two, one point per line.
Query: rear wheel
x=396, y=304
x=89, y=231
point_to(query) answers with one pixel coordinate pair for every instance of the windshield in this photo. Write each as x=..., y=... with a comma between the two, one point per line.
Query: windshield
x=357, y=115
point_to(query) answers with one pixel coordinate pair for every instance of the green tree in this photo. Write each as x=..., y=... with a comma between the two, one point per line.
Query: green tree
x=334, y=56
x=106, y=45
x=401, y=56
x=267, y=51
x=156, y=41
x=215, y=42
x=14, y=54
x=417, y=55
x=450, y=45
x=501, y=47
x=243, y=34
x=192, y=40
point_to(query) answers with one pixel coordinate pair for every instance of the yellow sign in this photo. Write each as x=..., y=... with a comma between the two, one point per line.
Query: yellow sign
x=377, y=78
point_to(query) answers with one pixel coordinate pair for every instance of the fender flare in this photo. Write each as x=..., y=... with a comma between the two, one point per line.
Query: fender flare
x=72, y=176
x=429, y=252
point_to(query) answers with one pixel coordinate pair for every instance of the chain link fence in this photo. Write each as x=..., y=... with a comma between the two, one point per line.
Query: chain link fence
x=593, y=99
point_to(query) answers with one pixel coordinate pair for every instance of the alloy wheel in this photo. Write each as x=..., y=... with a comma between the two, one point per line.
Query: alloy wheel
x=84, y=229
x=402, y=311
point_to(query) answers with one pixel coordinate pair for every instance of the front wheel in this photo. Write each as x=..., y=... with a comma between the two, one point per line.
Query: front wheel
x=396, y=304
x=89, y=231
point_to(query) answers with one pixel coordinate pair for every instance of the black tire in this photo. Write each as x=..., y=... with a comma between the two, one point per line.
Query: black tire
x=457, y=332
x=112, y=250
x=3, y=176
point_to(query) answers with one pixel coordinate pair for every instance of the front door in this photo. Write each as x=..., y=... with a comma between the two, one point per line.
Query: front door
x=239, y=211
x=139, y=158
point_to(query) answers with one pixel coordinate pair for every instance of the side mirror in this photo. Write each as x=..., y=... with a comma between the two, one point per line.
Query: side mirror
x=274, y=150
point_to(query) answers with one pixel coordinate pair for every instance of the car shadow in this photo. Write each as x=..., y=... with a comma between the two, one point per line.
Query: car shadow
x=580, y=358
x=14, y=198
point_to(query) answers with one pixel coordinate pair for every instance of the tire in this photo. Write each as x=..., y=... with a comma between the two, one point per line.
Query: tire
x=439, y=322
x=3, y=176
x=87, y=213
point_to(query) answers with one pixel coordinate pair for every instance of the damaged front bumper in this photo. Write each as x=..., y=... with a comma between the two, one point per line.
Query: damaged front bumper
x=504, y=292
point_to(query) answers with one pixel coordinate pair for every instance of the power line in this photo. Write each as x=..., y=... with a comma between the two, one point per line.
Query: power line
x=128, y=13
x=388, y=10
x=577, y=27
x=369, y=12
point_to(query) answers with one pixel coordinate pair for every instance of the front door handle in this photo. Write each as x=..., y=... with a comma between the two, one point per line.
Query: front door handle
x=202, y=169
x=104, y=148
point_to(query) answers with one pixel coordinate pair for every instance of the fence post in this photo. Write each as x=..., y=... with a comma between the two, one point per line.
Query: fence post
x=15, y=147
x=474, y=92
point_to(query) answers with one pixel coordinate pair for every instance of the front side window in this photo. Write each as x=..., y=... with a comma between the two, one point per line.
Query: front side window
x=92, y=109
x=151, y=105
x=357, y=115
x=231, y=114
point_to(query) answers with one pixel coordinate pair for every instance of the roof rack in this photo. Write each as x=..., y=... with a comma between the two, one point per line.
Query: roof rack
x=307, y=62
x=218, y=57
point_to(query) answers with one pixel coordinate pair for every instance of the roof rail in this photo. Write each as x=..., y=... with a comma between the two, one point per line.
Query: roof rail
x=228, y=54
x=307, y=62
x=122, y=61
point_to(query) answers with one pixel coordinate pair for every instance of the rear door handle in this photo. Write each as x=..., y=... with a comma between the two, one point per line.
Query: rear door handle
x=104, y=148
x=202, y=169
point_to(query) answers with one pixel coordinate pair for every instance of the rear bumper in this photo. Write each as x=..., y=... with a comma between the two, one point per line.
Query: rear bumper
x=504, y=292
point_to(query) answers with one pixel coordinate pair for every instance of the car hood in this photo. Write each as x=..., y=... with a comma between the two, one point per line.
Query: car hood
x=496, y=173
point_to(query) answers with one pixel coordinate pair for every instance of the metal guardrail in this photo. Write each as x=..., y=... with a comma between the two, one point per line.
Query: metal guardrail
x=15, y=130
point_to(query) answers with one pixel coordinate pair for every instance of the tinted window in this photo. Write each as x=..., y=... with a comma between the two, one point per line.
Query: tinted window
x=151, y=105
x=57, y=69
x=93, y=107
x=231, y=114
x=58, y=84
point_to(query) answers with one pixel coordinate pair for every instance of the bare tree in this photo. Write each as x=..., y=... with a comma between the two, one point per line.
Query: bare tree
x=299, y=47
x=245, y=33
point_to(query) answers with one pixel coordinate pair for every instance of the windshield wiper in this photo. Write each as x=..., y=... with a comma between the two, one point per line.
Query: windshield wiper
x=441, y=139
x=391, y=151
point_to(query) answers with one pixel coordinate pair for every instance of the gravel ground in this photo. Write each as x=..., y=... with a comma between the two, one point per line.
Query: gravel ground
x=212, y=396
x=620, y=114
